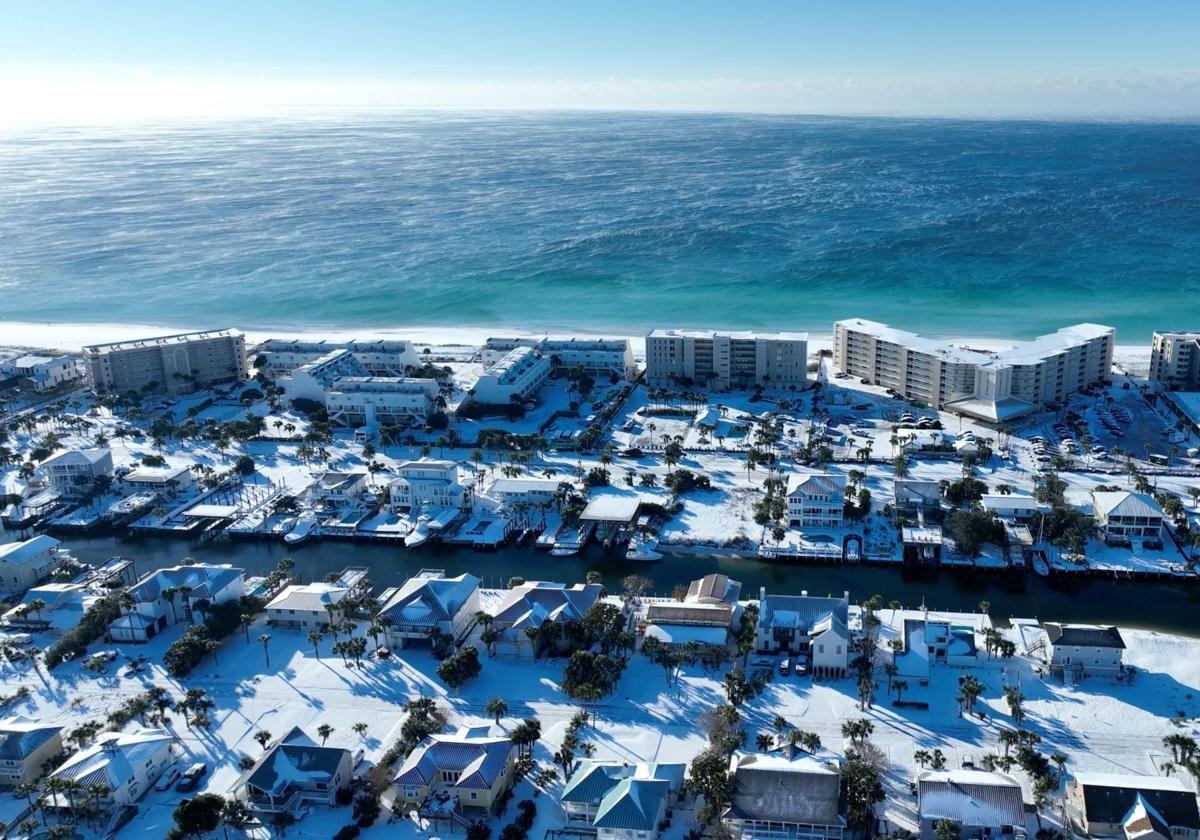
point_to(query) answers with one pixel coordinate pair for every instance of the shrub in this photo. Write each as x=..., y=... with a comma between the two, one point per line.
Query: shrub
x=92, y=626
x=189, y=650
x=366, y=810
x=347, y=832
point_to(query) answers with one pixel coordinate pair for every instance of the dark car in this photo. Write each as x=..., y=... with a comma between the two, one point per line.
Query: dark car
x=633, y=452
x=191, y=777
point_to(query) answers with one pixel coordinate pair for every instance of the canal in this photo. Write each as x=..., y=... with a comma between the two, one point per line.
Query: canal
x=1165, y=606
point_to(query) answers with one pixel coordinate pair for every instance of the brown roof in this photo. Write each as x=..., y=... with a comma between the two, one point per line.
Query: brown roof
x=712, y=615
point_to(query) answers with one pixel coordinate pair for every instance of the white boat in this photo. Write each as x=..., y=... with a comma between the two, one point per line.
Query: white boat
x=420, y=532
x=643, y=548
x=565, y=549
x=305, y=525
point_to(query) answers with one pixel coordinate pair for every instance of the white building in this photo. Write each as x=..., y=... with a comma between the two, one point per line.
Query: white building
x=807, y=627
x=981, y=804
x=1121, y=515
x=1175, y=360
x=1019, y=507
x=42, y=372
x=1084, y=649
x=167, y=480
x=76, y=469
x=726, y=360
x=518, y=375
x=26, y=563
x=431, y=602
x=429, y=483
x=816, y=500
x=172, y=363
x=390, y=358
x=308, y=605
x=990, y=386
x=335, y=489
x=169, y=596
x=57, y=607
x=353, y=396
x=597, y=356
x=528, y=490
x=534, y=604
x=127, y=763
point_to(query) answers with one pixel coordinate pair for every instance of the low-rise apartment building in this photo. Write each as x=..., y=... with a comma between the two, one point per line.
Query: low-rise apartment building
x=597, y=356
x=173, y=363
x=518, y=375
x=353, y=396
x=987, y=385
x=1175, y=360
x=723, y=361
x=383, y=357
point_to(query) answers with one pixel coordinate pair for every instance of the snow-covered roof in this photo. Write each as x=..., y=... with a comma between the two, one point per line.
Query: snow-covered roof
x=681, y=634
x=310, y=597
x=429, y=599
x=999, y=502
x=21, y=737
x=801, y=790
x=533, y=602
x=78, y=456
x=293, y=762
x=478, y=759
x=155, y=475
x=826, y=484
x=204, y=581
x=970, y=797
x=115, y=757
x=714, y=589
x=20, y=553
x=1124, y=503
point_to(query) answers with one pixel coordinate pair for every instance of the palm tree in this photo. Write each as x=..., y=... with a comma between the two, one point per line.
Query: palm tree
x=314, y=639
x=263, y=737
x=497, y=708
x=360, y=729
x=324, y=730
x=245, y=621
x=265, y=638
x=27, y=789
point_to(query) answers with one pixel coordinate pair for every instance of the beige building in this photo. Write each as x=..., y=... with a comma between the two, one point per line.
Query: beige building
x=173, y=363
x=1175, y=360
x=25, y=746
x=990, y=386
x=28, y=563
x=726, y=360
x=472, y=769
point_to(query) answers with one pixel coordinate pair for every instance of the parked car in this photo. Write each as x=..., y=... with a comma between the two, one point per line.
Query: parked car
x=168, y=778
x=633, y=452
x=191, y=777
x=785, y=666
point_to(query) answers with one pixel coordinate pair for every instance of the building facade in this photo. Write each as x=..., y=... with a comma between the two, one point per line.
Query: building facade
x=430, y=483
x=518, y=375
x=25, y=746
x=596, y=356
x=1084, y=649
x=1175, y=360
x=724, y=361
x=77, y=469
x=27, y=563
x=42, y=372
x=176, y=364
x=816, y=500
x=389, y=358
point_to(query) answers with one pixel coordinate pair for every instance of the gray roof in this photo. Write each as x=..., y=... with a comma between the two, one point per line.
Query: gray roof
x=709, y=615
x=970, y=797
x=429, y=600
x=804, y=610
x=293, y=762
x=714, y=588
x=529, y=604
x=204, y=580
x=1125, y=503
x=20, y=737
x=479, y=761
x=1084, y=635
x=773, y=787
x=1109, y=798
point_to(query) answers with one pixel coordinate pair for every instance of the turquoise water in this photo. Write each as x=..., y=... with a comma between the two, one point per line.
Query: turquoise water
x=610, y=222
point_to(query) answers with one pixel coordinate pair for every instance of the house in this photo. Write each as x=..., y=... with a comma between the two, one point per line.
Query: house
x=166, y=481
x=26, y=745
x=982, y=805
x=808, y=627
x=52, y=606
x=1084, y=649
x=335, y=489
x=930, y=639
x=26, y=563
x=168, y=596
x=784, y=794
x=310, y=605
x=127, y=763
x=1122, y=516
x=1132, y=806
x=815, y=500
x=705, y=617
x=468, y=769
x=430, y=484
x=294, y=772
x=75, y=470
x=540, y=605
x=1017, y=507
x=621, y=801
x=429, y=603
x=42, y=372
x=913, y=497
x=526, y=490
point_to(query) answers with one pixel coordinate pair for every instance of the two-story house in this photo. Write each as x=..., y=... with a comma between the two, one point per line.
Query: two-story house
x=1084, y=649
x=25, y=746
x=816, y=500
x=811, y=628
x=294, y=772
x=430, y=602
x=466, y=771
x=431, y=484
x=622, y=801
x=126, y=763
x=309, y=605
x=169, y=596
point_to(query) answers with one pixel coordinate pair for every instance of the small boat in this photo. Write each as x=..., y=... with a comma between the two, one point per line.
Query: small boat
x=643, y=549
x=420, y=532
x=565, y=549
x=305, y=525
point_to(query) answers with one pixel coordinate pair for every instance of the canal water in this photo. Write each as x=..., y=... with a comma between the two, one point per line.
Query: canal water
x=1165, y=606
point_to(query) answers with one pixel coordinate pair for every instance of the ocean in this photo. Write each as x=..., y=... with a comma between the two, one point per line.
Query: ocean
x=605, y=223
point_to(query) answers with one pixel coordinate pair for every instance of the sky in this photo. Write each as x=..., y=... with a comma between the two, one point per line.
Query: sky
x=82, y=60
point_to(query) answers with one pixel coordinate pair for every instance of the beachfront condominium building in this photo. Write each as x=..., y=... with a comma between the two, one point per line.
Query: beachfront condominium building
x=518, y=376
x=172, y=363
x=596, y=356
x=1175, y=360
x=352, y=396
x=380, y=358
x=726, y=360
x=993, y=386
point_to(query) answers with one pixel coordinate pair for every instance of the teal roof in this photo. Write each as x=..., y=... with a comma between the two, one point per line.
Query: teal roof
x=632, y=804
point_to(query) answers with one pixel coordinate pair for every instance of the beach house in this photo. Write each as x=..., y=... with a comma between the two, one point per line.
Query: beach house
x=124, y=763
x=784, y=794
x=26, y=563
x=705, y=617
x=913, y=498
x=432, y=484
x=42, y=373
x=1084, y=649
x=25, y=746
x=1121, y=516
x=816, y=500
x=1132, y=806
x=536, y=614
x=171, y=595
x=74, y=471
x=455, y=773
x=294, y=772
x=167, y=481
x=430, y=602
x=981, y=805
x=810, y=628
x=310, y=605
x=621, y=801
x=57, y=607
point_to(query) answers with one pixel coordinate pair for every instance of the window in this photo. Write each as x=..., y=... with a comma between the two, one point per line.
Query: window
x=474, y=795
